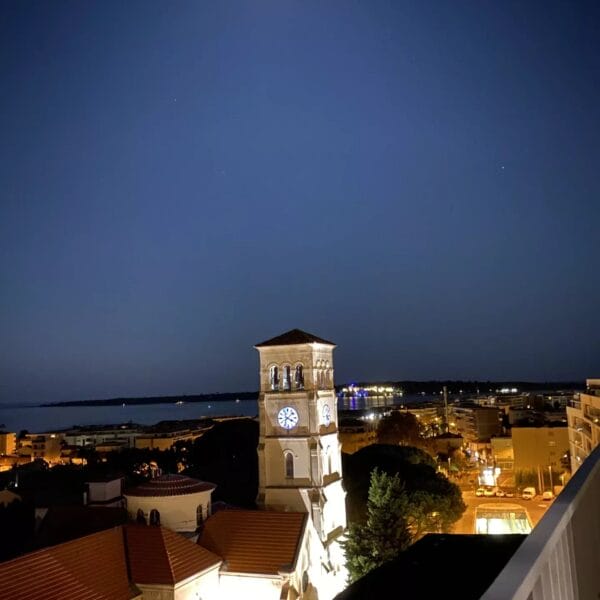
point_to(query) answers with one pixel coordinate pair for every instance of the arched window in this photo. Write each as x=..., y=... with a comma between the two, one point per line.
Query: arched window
x=140, y=518
x=299, y=377
x=287, y=377
x=154, y=517
x=274, y=375
x=289, y=465
x=199, y=515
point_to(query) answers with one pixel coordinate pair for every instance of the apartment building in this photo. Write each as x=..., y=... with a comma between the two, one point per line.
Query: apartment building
x=476, y=423
x=8, y=443
x=539, y=447
x=583, y=416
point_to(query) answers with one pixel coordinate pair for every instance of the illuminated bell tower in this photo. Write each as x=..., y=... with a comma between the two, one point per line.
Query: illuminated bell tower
x=299, y=454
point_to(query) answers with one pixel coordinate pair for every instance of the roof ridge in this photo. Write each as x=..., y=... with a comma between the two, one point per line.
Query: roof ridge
x=168, y=554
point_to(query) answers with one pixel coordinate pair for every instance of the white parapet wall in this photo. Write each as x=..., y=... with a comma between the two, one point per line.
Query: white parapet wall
x=560, y=559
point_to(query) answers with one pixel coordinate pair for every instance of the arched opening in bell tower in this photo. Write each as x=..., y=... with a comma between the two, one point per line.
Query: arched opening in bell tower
x=274, y=377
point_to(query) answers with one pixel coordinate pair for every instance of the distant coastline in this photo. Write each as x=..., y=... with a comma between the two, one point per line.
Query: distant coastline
x=157, y=400
x=408, y=387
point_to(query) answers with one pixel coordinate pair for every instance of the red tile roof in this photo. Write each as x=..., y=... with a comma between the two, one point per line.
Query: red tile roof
x=294, y=337
x=160, y=556
x=254, y=541
x=170, y=485
x=92, y=567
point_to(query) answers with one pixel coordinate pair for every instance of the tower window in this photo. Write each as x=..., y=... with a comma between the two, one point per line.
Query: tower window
x=287, y=378
x=299, y=377
x=154, y=517
x=289, y=465
x=274, y=376
x=199, y=515
x=140, y=518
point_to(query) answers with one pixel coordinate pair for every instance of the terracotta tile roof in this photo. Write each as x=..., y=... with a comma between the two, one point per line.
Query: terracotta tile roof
x=160, y=556
x=254, y=541
x=92, y=567
x=293, y=337
x=170, y=485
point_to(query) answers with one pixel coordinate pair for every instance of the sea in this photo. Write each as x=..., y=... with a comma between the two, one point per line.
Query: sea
x=39, y=419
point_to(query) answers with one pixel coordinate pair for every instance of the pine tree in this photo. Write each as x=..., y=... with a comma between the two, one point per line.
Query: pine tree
x=385, y=533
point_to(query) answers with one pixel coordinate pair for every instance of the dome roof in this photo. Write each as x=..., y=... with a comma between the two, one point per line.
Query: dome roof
x=171, y=485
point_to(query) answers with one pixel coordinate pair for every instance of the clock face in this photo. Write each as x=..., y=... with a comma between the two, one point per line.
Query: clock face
x=326, y=415
x=287, y=417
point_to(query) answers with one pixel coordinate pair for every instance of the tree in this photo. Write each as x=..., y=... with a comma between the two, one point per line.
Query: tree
x=385, y=533
x=434, y=502
x=399, y=428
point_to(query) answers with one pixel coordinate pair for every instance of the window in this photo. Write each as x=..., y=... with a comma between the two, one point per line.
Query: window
x=287, y=378
x=289, y=465
x=199, y=515
x=140, y=518
x=274, y=376
x=299, y=377
x=154, y=517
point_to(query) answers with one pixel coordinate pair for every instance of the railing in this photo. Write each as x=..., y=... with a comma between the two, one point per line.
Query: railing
x=284, y=387
x=559, y=559
x=575, y=404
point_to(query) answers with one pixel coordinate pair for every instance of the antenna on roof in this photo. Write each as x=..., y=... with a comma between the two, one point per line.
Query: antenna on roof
x=446, y=420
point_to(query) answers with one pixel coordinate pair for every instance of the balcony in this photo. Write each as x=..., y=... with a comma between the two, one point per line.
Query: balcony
x=592, y=414
x=575, y=404
x=559, y=558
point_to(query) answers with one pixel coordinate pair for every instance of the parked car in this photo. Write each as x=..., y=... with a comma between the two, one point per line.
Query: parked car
x=547, y=495
x=489, y=492
x=500, y=493
x=509, y=493
x=528, y=493
x=480, y=492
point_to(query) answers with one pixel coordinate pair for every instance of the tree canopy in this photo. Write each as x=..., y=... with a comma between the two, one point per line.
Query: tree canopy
x=399, y=428
x=434, y=502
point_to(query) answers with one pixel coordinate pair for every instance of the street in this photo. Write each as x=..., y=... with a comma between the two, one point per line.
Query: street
x=535, y=509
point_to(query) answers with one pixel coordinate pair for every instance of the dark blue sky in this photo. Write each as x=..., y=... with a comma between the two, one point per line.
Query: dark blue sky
x=418, y=181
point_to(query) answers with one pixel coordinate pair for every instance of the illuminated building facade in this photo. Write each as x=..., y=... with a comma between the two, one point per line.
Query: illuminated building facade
x=583, y=415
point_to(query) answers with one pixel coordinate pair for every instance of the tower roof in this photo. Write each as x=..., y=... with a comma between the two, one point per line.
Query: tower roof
x=170, y=485
x=294, y=337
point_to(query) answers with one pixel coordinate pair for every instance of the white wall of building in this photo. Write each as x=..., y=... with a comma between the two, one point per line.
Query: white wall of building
x=177, y=513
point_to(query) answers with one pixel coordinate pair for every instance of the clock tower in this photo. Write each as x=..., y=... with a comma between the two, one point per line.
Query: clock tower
x=299, y=456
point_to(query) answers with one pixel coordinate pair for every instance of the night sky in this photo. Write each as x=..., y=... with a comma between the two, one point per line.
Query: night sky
x=417, y=181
